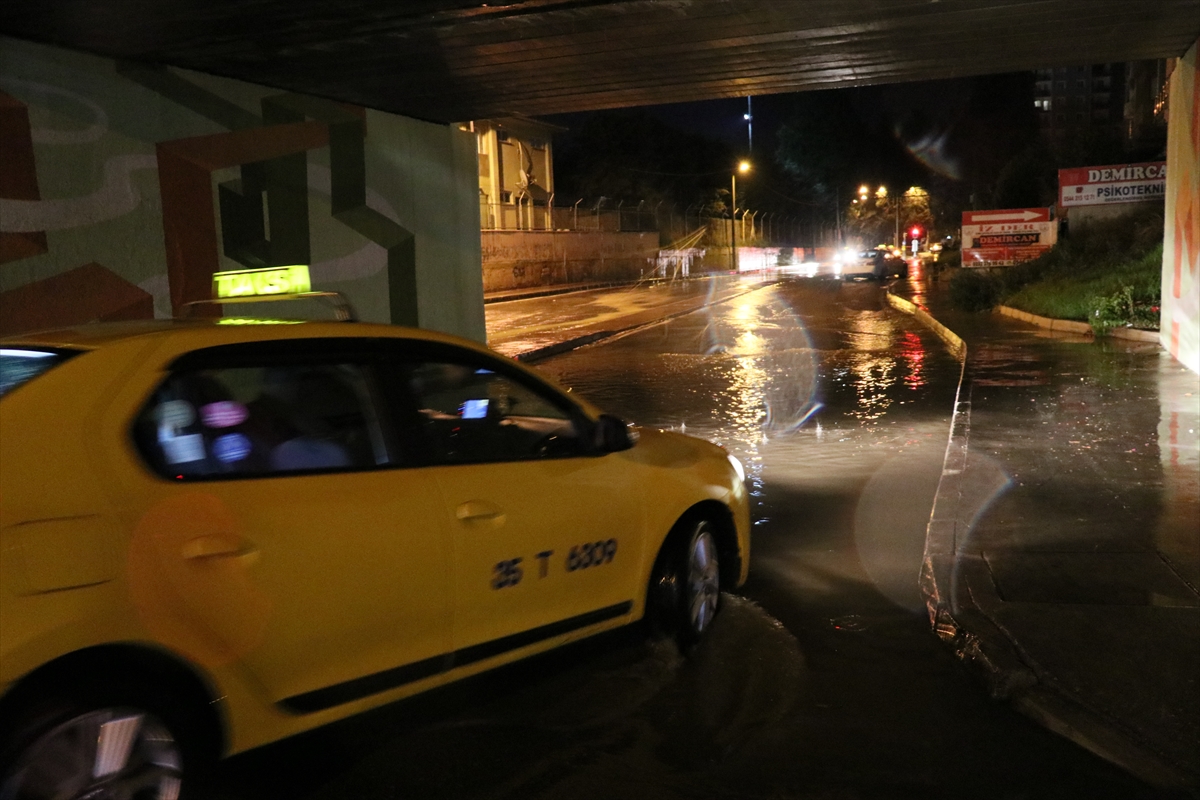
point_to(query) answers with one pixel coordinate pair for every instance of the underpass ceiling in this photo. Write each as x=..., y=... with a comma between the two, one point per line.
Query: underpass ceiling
x=447, y=60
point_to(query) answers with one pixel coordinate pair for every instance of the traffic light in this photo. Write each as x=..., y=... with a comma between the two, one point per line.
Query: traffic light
x=916, y=232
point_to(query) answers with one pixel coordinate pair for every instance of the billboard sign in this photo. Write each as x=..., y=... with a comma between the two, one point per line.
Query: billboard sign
x=1005, y=236
x=1123, y=183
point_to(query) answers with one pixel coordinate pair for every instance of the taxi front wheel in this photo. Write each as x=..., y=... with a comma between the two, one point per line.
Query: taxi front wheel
x=685, y=590
x=119, y=747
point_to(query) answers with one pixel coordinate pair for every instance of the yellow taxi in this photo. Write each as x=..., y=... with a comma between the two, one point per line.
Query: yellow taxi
x=215, y=535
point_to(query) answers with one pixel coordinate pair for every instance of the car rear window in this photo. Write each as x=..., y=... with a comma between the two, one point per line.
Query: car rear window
x=20, y=365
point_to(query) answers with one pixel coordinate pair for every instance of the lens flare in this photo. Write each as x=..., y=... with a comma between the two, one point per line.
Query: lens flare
x=930, y=150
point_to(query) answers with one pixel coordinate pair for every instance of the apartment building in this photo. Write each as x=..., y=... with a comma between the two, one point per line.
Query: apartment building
x=1075, y=100
x=516, y=171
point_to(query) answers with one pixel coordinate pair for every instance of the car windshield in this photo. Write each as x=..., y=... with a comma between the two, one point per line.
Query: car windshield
x=19, y=365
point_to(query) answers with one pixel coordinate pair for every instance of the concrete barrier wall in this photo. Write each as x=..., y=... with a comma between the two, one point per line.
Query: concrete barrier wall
x=520, y=259
x=524, y=259
x=1180, y=322
x=123, y=187
x=1082, y=216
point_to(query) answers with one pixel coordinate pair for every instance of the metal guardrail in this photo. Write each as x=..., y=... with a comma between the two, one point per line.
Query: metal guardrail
x=578, y=217
x=753, y=227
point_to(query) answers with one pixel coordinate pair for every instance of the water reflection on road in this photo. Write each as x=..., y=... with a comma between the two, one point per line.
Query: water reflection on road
x=816, y=386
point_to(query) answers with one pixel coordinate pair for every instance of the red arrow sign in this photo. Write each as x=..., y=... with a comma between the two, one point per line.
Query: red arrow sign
x=1006, y=215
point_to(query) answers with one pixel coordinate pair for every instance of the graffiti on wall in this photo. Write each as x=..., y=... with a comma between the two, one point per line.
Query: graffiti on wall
x=166, y=219
x=90, y=291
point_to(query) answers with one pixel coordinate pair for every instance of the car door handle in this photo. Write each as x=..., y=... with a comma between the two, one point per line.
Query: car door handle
x=204, y=548
x=480, y=511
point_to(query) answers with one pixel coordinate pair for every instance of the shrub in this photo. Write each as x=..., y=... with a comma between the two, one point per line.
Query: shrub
x=949, y=259
x=974, y=290
x=1107, y=273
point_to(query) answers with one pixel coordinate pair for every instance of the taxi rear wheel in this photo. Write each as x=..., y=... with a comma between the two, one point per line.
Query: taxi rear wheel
x=685, y=590
x=122, y=747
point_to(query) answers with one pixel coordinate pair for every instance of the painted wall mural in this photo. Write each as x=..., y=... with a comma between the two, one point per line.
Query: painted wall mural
x=1180, y=324
x=124, y=187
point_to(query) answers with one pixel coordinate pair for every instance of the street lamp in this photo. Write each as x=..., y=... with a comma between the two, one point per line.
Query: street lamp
x=742, y=167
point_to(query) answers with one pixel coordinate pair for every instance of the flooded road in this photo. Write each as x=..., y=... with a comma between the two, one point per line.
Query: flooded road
x=821, y=678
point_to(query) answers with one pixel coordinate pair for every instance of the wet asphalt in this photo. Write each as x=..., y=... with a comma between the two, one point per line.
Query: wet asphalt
x=821, y=677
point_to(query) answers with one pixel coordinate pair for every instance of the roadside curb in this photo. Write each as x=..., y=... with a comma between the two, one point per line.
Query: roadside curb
x=547, y=291
x=957, y=346
x=1073, y=326
x=542, y=353
x=961, y=599
x=530, y=356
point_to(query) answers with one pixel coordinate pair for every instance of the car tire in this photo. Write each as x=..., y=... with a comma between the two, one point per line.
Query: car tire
x=115, y=743
x=685, y=588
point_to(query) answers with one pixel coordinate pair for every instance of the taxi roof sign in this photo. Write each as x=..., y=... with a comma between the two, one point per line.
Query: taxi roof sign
x=267, y=282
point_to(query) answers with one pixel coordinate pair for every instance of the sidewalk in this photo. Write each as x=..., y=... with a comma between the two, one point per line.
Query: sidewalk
x=1063, y=553
x=546, y=322
x=529, y=292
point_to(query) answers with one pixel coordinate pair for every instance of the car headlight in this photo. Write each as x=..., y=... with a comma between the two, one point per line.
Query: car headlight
x=737, y=467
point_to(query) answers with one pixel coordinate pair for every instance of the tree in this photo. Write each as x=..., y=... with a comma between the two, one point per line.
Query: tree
x=633, y=156
x=878, y=217
x=1028, y=180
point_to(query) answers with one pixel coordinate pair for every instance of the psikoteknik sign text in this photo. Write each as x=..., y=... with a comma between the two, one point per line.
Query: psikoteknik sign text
x=1124, y=183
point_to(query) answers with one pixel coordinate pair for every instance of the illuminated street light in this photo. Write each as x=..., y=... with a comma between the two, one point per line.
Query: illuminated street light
x=742, y=167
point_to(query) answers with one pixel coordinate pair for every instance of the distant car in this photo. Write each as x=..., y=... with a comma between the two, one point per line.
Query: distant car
x=215, y=536
x=878, y=264
x=890, y=265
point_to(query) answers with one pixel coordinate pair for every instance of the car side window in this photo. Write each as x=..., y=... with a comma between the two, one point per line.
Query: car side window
x=468, y=412
x=261, y=420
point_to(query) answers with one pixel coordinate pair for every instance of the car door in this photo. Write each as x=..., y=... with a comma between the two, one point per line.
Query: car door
x=546, y=533
x=281, y=527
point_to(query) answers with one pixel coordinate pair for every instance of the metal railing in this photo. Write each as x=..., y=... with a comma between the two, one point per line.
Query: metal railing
x=754, y=227
x=598, y=215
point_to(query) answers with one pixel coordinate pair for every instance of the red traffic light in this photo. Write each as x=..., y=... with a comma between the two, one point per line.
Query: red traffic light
x=916, y=232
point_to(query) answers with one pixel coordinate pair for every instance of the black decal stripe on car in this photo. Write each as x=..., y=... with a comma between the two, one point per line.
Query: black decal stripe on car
x=340, y=693
x=479, y=652
x=357, y=689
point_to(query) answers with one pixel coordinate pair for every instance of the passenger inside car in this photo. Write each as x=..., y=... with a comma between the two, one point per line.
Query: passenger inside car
x=259, y=421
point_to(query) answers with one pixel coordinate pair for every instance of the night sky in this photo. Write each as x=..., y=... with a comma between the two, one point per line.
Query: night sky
x=952, y=111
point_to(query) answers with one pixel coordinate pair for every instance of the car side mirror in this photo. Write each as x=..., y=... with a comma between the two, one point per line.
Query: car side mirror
x=610, y=434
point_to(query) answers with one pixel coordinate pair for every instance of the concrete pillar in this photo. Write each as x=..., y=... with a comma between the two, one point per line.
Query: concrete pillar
x=1180, y=321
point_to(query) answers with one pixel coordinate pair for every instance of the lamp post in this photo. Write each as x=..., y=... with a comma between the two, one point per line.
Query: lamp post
x=743, y=167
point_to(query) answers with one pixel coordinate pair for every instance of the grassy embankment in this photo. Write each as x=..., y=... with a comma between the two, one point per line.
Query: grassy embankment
x=1108, y=274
